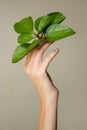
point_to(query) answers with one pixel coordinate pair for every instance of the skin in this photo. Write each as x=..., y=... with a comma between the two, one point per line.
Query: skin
x=36, y=68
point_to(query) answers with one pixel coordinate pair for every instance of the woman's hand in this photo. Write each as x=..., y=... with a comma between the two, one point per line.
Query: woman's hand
x=36, y=69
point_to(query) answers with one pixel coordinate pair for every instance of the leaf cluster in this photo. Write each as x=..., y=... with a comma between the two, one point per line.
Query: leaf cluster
x=49, y=25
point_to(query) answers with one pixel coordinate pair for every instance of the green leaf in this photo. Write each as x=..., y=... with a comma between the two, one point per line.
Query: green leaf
x=42, y=22
x=24, y=26
x=58, y=31
x=56, y=17
x=49, y=25
x=37, y=22
x=23, y=50
x=24, y=38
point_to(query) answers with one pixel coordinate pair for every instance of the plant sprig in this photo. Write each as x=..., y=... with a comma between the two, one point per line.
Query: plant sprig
x=49, y=25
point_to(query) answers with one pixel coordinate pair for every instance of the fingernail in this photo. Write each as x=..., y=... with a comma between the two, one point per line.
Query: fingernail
x=57, y=50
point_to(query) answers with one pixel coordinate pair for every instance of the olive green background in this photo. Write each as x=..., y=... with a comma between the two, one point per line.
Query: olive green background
x=19, y=99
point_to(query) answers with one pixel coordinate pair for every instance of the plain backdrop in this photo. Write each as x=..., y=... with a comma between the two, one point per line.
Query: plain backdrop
x=19, y=99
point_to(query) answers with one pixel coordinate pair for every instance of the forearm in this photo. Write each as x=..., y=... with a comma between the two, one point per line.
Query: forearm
x=48, y=114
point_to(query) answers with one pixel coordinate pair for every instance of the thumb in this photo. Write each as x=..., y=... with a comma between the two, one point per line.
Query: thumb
x=49, y=58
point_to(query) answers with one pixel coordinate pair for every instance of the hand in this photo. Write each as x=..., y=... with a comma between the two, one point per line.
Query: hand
x=36, y=69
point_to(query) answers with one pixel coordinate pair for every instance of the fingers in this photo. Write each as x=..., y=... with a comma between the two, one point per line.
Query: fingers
x=49, y=58
x=36, y=55
x=28, y=58
x=40, y=49
x=43, y=47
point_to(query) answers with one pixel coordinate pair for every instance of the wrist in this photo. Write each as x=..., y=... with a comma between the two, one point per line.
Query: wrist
x=49, y=104
x=50, y=97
